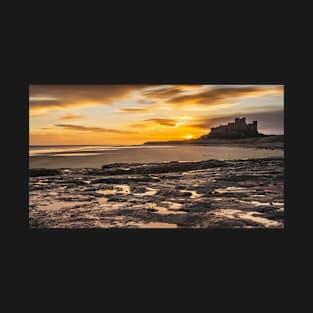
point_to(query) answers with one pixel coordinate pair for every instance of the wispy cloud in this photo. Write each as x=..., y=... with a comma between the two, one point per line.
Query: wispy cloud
x=147, y=109
x=168, y=91
x=43, y=98
x=162, y=121
x=93, y=129
x=71, y=116
x=162, y=92
x=132, y=110
x=217, y=95
x=156, y=122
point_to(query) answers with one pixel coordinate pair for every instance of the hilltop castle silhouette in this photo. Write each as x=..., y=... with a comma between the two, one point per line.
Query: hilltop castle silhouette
x=236, y=130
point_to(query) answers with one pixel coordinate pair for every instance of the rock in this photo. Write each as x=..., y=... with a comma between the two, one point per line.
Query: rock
x=151, y=210
x=115, y=198
x=138, y=189
x=44, y=172
x=257, y=176
x=197, y=207
x=265, y=209
x=274, y=215
x=186, y=194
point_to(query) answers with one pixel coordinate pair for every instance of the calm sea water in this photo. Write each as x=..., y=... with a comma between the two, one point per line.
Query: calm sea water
x=96, y=156
x=178, y=152
x=73, y=150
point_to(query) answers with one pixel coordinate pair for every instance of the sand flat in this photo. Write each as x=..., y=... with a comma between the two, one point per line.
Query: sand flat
x=144, y=154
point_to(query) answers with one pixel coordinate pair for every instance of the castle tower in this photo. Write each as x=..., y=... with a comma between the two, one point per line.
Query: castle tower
x=255, y=125
x=237, y=122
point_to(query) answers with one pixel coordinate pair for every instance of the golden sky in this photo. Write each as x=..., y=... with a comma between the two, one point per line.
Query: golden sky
x=134, y=114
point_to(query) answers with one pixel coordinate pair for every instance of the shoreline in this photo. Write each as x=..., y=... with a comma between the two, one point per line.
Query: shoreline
x=265, y=142
x=149, y=154
x=113, y=169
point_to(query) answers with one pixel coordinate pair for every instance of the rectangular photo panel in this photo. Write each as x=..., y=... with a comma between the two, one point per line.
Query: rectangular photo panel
x=156, y=156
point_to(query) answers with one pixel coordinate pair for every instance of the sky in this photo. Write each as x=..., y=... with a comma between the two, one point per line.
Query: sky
x=134, y=114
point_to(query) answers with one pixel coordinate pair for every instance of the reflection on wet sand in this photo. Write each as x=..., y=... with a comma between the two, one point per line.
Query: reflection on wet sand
x=157, y=225
x=253, y=216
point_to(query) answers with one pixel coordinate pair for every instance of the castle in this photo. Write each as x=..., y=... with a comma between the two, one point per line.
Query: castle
x=236, y=130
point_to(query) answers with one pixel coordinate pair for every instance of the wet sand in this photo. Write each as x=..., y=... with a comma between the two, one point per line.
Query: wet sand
x=148, y=154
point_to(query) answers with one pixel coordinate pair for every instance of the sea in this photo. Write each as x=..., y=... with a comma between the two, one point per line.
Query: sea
x=83, y=156
x=83, y=150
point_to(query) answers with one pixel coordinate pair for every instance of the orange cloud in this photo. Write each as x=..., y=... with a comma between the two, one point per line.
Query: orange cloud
x=220, y=95
x=93, y=129
x=170, y=91
x=162, y=92
x=148, y=109
x=43, y=98
x=132, y=110
x=72, y=116
x=155, y=122
x=162, y=122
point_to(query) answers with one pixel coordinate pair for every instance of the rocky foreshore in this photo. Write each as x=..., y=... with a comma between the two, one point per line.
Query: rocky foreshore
x=205, y=194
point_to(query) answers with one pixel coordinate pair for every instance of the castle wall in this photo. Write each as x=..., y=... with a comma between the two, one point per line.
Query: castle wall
x=239, y=129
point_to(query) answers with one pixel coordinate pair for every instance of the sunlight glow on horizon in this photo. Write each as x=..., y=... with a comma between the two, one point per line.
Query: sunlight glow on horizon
x=188, y=136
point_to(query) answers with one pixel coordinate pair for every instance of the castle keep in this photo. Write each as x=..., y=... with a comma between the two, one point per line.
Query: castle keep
x=238, y=129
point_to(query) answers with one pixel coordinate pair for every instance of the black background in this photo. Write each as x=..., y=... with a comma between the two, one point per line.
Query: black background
x=229, y=267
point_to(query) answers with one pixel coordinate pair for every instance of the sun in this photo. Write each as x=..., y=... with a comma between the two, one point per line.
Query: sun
x=188, y=137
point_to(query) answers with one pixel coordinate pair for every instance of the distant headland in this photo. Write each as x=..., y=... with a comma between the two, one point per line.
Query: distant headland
x=237, y=132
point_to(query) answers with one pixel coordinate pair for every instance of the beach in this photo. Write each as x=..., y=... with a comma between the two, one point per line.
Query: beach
x=156, y=187
x=96, y=156
x=206, y=194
